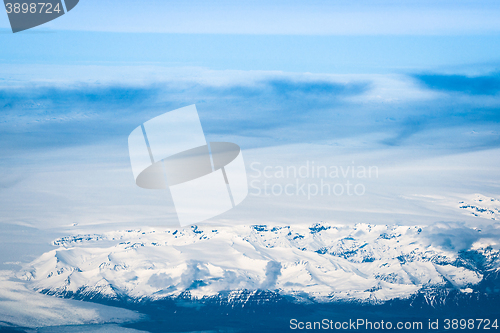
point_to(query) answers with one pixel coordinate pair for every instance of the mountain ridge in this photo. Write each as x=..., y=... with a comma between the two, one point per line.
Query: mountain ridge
x=319, y=263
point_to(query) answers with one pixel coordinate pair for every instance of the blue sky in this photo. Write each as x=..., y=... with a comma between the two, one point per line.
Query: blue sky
x=297, y=36
x=318, y=17
x=290, y=53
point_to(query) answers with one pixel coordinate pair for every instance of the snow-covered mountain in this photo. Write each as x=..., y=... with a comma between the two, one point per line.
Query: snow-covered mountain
x=482, y=206
x=319, y=262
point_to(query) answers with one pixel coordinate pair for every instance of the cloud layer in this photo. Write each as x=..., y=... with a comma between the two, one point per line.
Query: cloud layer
x=264, y=111
x=478, y=85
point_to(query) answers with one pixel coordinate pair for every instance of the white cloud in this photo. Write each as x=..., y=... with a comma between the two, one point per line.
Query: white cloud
x=21, y=306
